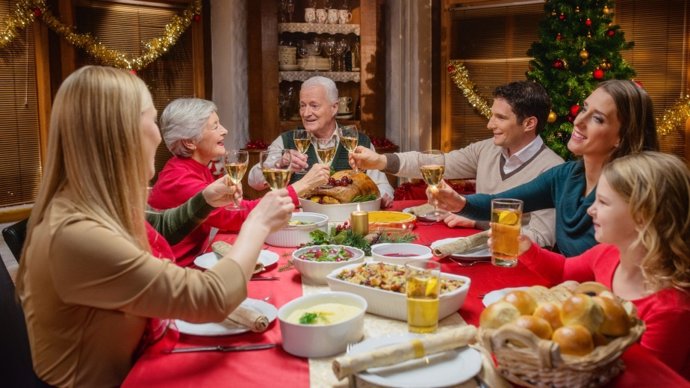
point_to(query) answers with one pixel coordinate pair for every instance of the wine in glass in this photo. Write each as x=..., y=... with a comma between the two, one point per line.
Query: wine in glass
x=236, y=165
x=302, y=139
x=275, y=165
x=349, y=138
x=325, y=149
x=432, y=166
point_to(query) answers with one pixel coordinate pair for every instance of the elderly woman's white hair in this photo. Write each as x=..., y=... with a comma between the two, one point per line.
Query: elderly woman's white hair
x=184, y=119
x=326, y=83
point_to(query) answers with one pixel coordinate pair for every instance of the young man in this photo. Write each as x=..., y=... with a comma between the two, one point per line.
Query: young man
x=514, y=155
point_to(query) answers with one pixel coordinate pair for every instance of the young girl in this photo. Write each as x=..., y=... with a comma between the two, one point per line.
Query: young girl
x=641, y=220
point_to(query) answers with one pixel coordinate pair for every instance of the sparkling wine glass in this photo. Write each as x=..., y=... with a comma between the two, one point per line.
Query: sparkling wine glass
x=236, y=162
x=432, y=165
x=302, y=139
x=275, y=165
x=325, y=149
x=349, y=137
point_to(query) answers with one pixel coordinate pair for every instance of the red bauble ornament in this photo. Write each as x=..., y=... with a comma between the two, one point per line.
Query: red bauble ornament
x=574, y=110
x=598, y=74
x=561, y=17
x=451, y=68
x=557, y=64
x=611, y=33
x=559, y=37
x=197, y=18
x=38, y=12
x=588, y=22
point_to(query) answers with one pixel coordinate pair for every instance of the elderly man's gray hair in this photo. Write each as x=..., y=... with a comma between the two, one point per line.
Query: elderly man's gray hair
x=326, y=83
x=184, y=119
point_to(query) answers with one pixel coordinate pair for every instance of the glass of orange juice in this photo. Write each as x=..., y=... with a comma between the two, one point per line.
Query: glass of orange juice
x=423, y=286
x=506, y=219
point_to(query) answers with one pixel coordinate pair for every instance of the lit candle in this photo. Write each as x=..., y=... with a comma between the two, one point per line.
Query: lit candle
x=360, y=222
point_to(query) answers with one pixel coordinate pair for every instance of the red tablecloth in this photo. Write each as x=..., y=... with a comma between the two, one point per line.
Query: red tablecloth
x=275, y=367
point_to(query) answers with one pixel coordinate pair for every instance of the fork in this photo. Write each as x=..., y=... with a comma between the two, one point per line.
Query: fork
x=466, y=263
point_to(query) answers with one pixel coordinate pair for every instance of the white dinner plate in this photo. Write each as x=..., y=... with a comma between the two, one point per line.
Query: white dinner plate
x=208, y=260
x=442, y=369
x=481, y=252
x=496, y=295
x=227, y=328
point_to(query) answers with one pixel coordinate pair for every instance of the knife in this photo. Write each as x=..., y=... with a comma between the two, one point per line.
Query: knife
x=221, y=348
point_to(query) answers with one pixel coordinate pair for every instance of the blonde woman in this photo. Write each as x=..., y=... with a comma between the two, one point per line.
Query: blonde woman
x=87, y=280
x=642, y=221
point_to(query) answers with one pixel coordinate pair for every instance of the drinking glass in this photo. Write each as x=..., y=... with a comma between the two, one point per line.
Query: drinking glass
x=349, y=138
x=341, y=46
x=302, y=139
x=506, y=220
x=275, y=165
x=423, y=286
x=236, y=162
x=328, y=47
x=432, y=166
x=325, y=149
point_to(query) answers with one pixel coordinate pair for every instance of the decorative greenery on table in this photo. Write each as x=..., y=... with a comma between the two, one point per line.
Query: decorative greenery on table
x=343, y=235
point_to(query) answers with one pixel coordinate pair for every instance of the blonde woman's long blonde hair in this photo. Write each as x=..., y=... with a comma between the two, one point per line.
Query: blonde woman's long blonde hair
x=95, y=149
x=656, y=187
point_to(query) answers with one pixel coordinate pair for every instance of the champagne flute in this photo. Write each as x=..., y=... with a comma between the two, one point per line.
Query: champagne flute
x=302, y=140
x=325, y=149
x=236, y=162
x=275, y=165
x=349, y=137
x=432, y=166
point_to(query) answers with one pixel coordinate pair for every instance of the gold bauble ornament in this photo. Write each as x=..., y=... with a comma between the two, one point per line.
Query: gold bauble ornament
x=552, y=117
x=606, y=10
x=584, y=55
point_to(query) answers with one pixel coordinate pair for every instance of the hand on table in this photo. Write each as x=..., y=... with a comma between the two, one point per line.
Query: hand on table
x=456, y=221
x=386, y=201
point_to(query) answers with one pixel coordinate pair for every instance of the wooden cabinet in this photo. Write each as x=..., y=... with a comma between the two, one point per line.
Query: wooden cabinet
x=269, y=81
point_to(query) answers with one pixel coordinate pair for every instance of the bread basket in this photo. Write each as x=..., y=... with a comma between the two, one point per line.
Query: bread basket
x=540, y=363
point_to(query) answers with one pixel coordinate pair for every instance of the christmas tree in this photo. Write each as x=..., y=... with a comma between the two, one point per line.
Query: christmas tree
x=579, y=47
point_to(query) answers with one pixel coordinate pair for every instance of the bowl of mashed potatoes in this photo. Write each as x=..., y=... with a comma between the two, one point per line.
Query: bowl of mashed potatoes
x=321, y=325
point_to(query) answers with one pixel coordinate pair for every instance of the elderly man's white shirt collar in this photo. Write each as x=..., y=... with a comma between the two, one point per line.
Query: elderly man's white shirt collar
x=516, y=160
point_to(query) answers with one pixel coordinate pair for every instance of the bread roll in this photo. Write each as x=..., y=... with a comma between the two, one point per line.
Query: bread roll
x=524, y=302
x=539, y=326
x=575, y=340
x=551, y=313
x=540, y=293
x=580, y=309
x=590, y=288
x=497, y=314
x=616, y=321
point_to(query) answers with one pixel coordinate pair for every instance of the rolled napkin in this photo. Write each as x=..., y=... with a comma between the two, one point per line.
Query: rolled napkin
x=414, y=348
x=221, y=248
x=462, y=245
x=248, y=318
x=421, y=209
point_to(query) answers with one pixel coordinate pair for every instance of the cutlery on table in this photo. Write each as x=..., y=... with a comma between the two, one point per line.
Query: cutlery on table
x=264, y=278
x=222, y=348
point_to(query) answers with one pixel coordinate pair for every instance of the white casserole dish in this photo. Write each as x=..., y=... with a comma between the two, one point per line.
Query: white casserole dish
x=339, y=212
x=394, y=304
x=296, y=235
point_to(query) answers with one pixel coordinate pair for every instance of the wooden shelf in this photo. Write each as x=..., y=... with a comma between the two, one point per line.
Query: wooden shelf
x=306, y=28
x=337, y=76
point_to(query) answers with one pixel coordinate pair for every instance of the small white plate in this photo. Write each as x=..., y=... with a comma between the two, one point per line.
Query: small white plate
x=482, y=252
x=496, y=295
x=227, y=328
x=443, y=369
x=208, y=260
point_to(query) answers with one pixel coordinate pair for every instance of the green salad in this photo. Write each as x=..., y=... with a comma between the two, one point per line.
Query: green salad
x=335, y=254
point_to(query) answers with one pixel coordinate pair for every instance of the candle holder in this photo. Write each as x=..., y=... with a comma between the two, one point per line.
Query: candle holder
x=360, y=222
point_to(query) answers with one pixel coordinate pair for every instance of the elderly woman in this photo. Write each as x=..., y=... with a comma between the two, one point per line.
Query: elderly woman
x=193, y=134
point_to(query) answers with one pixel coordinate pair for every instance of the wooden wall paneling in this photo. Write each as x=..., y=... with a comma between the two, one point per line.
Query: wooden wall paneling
x=262, y=47
x=68, y=57
x=198, y=58
x=446, y=81
x=44, y=98
x=372, y=83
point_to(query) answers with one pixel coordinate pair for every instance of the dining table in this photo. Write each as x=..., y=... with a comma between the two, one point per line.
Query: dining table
x=158, y=367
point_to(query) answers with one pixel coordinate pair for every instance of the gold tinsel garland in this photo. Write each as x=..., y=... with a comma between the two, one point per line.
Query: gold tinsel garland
x=27, y=11
x=674, y=117
x=671, y=120
x=461, y=77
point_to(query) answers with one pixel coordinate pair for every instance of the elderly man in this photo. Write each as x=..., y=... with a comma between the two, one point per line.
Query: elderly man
x=318, y=105
x=515, y=155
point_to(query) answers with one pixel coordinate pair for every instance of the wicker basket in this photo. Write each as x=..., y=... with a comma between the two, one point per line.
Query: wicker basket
x=540, y=363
